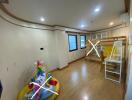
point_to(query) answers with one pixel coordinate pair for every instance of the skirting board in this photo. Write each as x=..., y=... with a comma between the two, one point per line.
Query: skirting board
x=66, y=65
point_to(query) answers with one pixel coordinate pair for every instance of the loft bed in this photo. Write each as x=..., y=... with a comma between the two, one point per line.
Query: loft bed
x=104, y=48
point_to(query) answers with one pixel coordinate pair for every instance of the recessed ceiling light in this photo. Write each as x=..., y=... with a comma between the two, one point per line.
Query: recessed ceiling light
x=97, y=10
x=42, y=19
x=82, y=26
x=85, y=97
x=111, y=23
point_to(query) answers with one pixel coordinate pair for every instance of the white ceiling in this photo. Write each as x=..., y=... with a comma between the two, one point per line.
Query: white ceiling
x=71, y=13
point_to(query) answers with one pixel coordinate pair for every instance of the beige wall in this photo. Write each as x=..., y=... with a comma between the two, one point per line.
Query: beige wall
x=19, y=49
x=62, y=48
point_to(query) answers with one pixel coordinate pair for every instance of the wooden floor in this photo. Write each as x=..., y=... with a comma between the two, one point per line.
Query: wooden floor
x=82, y=80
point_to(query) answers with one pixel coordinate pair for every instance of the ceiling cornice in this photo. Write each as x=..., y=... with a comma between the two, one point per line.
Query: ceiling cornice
x=112, y=28
x=6, y=17
x=6, y=11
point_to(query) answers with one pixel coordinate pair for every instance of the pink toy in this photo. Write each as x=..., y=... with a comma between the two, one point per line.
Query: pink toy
x=38, y=94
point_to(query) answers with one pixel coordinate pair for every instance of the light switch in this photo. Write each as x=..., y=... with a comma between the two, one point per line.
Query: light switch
x=1, y=88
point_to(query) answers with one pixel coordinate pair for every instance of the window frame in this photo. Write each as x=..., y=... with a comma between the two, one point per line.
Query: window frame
x=80, y=42
x=75, y=42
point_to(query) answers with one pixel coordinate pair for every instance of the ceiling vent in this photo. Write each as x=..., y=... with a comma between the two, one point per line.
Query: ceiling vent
x=125, y=18
x=4, y=1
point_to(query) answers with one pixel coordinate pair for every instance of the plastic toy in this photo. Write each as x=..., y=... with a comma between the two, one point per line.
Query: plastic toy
x=39, y=77
x=53, y=82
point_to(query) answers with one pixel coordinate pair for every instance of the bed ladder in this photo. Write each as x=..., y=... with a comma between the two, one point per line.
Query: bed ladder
x=113, y=64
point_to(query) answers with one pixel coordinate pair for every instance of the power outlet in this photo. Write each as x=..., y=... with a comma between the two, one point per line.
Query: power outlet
x=41, y=49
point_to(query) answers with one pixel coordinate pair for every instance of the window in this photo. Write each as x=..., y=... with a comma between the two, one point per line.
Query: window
x=72, y=42
x=82, y=41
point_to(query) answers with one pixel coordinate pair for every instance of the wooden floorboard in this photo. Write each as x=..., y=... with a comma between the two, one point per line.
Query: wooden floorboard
x=82, y=80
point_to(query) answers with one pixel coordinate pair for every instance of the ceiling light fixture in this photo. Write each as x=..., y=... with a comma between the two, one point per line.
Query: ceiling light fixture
x=111, y=23
x=82, y=26
x=97, y=10
x=42, y=19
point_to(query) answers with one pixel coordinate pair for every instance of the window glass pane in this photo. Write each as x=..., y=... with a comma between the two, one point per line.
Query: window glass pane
x=72, y=42
x=82, y=41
